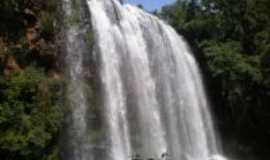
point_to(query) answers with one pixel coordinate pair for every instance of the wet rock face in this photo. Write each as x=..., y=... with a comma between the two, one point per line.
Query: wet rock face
x=11, y=66
x=32, y=36
x=29, y=36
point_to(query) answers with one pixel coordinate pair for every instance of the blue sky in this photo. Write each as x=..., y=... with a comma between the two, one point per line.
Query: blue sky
x=150, y=4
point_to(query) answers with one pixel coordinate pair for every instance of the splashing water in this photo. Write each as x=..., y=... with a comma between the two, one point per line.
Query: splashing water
x=153, y=103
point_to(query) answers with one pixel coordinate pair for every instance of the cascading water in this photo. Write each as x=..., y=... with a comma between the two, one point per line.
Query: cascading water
x=152, y=101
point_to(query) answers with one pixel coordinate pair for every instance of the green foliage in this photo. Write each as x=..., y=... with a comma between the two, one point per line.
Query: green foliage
x=265, y=63
x=30, y=105
x=225, y=60
x=231, y=40
x=30, y=116
x=74, y=17
x=15, y=15
x=10, y=19
x=140, y=6
x=48, y=18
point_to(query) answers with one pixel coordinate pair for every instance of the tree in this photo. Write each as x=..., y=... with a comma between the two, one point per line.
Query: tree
x=231, y=41
x=30, y=116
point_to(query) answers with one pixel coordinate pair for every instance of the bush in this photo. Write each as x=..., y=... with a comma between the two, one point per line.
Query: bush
x=30, y=116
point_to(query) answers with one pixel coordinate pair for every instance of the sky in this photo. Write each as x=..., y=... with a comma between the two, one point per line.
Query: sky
x=150, y=5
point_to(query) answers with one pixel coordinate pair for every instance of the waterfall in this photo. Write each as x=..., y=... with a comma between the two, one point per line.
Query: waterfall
x=150, y=97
